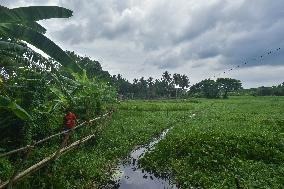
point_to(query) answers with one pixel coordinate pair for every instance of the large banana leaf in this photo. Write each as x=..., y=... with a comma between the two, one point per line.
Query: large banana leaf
x=33, y=13
x=8, y=104
x=35, y=26
x=2, y=8
x=20, y=23
x=29, y=15
x=14, y=47
x=39, y=41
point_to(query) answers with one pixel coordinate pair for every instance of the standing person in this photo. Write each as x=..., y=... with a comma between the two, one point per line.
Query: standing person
x=69, y=123
x=69, y=120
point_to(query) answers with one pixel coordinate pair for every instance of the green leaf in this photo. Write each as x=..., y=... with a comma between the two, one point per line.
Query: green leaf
x=58, y=93
x=20, y=112
x=6, y=103
x=10, y=46
x=35, y=26
x=33, y=13
x=20, y=23
x=39, y=41
x=84, y=76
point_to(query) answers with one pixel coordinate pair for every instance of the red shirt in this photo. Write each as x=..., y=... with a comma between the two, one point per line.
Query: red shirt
x=69, y=120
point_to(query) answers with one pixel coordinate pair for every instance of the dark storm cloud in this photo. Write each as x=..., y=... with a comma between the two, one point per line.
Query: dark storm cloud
x=178, y=35
x=238, y=32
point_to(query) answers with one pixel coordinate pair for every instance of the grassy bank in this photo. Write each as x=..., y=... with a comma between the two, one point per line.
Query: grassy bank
x=236, y=139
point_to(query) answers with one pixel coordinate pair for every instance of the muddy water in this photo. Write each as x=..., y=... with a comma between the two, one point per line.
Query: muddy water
x=128, y=175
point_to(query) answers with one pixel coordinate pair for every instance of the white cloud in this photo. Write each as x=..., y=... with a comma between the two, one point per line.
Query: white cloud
x=198, y=38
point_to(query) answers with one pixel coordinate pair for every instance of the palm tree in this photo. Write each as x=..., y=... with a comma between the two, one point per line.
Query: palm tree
x=21, y=24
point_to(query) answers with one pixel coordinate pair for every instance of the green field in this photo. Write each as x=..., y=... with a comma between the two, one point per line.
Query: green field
x=227, y=141
x=241, y=137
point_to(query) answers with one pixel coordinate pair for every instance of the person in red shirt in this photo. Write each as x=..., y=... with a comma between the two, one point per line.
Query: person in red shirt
x=69, y=120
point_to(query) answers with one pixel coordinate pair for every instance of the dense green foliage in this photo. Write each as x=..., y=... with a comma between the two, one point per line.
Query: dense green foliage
x=238, y=138
x=177, y=86
x=35, y=91
x=93, y=68
x=268, y=91
x=168, y=86
x=214, y=89
x=43, y=92
x=174, y=86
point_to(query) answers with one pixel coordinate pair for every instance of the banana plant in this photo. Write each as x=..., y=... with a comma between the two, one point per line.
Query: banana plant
x=21, y=24
x=8, y=104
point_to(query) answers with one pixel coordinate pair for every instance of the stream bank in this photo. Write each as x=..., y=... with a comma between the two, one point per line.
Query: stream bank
x=129, y=175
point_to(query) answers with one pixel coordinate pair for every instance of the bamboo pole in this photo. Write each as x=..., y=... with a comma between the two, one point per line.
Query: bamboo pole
x=50, y=137
x=55, y=155
x=43, y=162
x=20, y=166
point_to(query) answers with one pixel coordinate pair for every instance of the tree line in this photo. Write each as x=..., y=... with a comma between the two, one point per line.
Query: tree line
x=174, y=86
x=277, y=90
x=171, y=85
x=168, y=86
x=149, y=88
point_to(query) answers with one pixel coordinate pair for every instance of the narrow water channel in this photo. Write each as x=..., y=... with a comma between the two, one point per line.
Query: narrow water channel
x=130, y=176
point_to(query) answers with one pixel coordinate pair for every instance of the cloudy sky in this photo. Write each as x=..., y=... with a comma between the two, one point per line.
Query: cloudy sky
x=199, y=38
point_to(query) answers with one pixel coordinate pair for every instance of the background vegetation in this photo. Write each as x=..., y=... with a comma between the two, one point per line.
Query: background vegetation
x=171, y=86
x=34, y=91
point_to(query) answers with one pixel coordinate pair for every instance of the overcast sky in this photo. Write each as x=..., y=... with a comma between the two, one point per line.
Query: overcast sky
x=199, y=38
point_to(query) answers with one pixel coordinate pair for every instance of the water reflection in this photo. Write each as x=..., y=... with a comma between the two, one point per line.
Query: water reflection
x=129, y=176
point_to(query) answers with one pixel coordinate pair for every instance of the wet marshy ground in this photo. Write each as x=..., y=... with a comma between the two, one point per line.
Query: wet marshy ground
x=129, y=175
